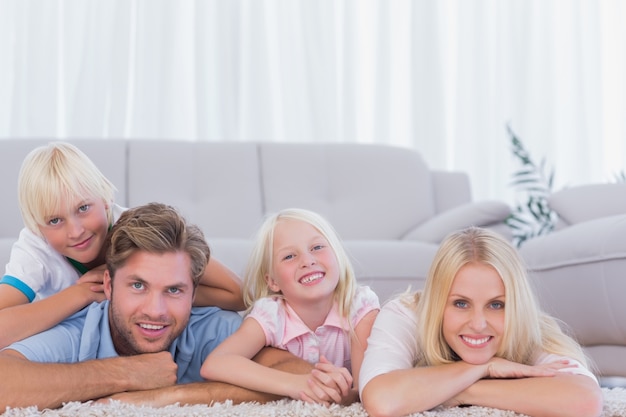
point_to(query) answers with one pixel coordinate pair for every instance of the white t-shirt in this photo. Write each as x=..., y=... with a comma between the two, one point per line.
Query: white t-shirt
x=36, y=269
x=392, y=345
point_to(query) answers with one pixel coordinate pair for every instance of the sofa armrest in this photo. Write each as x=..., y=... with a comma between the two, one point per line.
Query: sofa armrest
x=488, y=214
x=588, y=202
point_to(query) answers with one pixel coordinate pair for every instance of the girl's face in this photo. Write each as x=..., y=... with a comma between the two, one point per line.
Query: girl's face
x=78, y=230
x=473, y=319
x=305, y=267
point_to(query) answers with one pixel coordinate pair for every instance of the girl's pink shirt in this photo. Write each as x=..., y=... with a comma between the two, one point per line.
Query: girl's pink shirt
x=284, y=329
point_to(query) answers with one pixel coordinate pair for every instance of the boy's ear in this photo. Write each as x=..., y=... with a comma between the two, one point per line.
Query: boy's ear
x=107, y=284
x=272, y=285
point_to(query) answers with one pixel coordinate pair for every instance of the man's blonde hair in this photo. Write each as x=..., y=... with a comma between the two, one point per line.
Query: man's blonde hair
x=54, y=173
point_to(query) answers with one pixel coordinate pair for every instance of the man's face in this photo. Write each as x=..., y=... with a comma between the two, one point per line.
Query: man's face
x=150, y=301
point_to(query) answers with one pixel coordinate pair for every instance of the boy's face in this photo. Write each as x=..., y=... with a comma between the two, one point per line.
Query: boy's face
x=151, y=301
x=78, y=230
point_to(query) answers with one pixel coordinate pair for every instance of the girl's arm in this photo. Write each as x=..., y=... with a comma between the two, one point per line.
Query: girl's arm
x=231, y=362
x=20, y=319
x=220, y=287
x=359, y=343
x=324, y=370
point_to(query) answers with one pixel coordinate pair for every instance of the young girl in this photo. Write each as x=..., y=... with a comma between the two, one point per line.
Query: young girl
x=305, y=300
x=58, y=260
x=475, y=336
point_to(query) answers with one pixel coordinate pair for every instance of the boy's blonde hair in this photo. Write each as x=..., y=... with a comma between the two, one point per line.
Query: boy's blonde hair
x=527, y=329
x=54, y=173
x=261, y=260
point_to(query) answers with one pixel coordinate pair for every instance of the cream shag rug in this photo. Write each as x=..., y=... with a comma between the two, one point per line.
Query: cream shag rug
x=614, y=406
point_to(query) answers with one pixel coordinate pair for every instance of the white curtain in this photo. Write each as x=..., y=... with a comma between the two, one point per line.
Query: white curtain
x=442, y=76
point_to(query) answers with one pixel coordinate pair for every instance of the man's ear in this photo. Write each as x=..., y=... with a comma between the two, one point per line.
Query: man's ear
x=272, y=285
x=107, y=283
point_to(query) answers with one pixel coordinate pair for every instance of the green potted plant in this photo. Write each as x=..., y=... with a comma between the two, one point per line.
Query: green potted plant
x=532, y=216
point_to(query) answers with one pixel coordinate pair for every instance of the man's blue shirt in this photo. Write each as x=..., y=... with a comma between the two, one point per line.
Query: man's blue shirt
x=86, y=335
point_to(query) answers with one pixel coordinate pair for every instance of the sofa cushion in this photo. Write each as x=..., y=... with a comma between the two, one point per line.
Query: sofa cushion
x=480, y=213
x=365, y=191
x=586, y=202
x=215, y=185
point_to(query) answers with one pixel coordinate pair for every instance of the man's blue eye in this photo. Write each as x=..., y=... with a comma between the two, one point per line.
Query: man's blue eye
x=137, y=285
x=174, y=290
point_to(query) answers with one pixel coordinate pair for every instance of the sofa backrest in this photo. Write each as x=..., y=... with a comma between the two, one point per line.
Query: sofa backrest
x=215, y=185
x=365, y=191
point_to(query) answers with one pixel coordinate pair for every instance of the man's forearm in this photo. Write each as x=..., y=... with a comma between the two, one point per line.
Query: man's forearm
x=194, y=393
x=49, y=385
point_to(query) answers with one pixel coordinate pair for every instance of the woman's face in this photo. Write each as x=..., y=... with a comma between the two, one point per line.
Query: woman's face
x=473, y=319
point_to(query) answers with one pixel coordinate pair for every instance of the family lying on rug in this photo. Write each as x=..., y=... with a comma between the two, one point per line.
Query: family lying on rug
x=122, y=311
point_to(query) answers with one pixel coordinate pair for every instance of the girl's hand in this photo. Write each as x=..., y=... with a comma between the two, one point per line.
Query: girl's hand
x=310, y=392
x=502, y=368
x=335, y=382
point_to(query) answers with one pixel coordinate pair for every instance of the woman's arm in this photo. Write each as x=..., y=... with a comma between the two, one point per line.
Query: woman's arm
x=220, y=287
x=406, y=391
x=20, y=319
x=562, y=395
x=418, y=389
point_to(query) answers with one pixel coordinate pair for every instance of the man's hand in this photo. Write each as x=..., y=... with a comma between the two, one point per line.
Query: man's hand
x=149, y=370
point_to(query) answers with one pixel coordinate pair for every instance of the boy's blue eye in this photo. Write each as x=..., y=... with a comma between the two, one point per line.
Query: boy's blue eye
x=83, y=208
x=54, y=221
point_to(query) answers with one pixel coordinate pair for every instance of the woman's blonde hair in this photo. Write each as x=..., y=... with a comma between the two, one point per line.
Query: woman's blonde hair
x=260, y=263
x=54, y=173
x=528, y=331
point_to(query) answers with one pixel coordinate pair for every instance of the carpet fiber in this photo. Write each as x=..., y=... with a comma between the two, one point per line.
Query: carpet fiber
x=614, y=406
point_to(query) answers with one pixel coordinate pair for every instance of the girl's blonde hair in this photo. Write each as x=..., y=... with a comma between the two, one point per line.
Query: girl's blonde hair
x=261, y=259
x=55, y=173
x=528, y=331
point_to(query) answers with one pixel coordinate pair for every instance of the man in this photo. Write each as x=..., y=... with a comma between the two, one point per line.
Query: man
x=145, y=344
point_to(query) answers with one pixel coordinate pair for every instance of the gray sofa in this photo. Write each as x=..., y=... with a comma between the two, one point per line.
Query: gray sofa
x=579, y=271
x=390, y=209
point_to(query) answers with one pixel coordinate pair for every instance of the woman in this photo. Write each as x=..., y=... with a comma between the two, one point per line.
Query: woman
x=475, y=336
